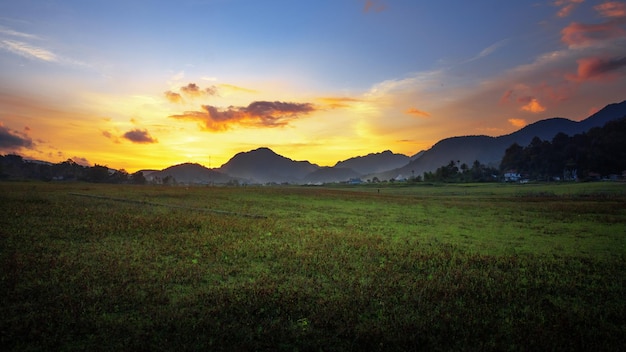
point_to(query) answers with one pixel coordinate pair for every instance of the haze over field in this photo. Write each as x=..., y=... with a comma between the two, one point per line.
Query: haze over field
x=148, y=84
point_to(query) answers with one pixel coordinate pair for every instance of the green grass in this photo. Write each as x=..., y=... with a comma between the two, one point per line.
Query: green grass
x=428, y=267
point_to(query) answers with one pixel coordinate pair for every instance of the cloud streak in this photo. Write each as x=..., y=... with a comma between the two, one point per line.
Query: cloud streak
x=613, y=9
x=234, y=88
x=488, y=50
x=338, y=102
x=567, y=7
x=582, y=35
x=374, y=5
x=20, y=43
x=257, y=114
x=13, y=33
x=28, y=51
x=417, y=112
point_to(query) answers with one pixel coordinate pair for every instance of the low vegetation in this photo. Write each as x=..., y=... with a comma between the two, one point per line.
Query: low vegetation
x=397, y=267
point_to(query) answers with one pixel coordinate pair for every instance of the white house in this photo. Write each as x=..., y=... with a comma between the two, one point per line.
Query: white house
x=512, y=176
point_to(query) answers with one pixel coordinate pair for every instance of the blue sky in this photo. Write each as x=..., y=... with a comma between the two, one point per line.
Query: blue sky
x=145, y=84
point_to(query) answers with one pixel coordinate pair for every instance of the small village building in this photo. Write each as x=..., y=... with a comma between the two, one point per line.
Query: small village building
x=512, y=176
x=355, y=181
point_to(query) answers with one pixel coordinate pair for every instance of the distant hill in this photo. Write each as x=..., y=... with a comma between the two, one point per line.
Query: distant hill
x=148, y=172
x=190, y=173
x=418, y=154
x=374, y=162
x=331, y=174
x=264, y=165
x=490, y=150
x=600, y=118
x=456, y=148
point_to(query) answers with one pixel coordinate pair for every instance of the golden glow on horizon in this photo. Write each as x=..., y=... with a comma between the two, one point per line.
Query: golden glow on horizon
x=96, y=128
x=348, y=127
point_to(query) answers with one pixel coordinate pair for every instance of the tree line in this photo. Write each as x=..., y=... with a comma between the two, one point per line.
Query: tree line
x=455, y=171
x=15, y=167
x=599, y=152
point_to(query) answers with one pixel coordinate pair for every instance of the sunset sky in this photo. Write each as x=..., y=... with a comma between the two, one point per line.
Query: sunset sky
x=138, y=84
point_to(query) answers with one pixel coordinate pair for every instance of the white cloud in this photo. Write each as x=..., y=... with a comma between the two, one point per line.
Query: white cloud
x=488, y=50
x=28, y=51
x=20, y=43
x=13, y=33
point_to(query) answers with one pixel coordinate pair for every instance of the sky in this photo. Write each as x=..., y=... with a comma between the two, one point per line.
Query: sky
x=146, y=84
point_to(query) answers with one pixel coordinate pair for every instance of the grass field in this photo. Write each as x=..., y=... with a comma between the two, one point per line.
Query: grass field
x=426, y=267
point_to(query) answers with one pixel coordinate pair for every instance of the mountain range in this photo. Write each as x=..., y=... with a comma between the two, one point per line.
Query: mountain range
x=263, y=165
x=490, y=150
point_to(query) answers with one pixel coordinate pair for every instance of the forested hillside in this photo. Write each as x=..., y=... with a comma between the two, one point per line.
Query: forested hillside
x=600, y=152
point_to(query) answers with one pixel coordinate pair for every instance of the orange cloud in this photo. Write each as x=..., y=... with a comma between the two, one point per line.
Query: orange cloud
x=567, y=7
x=612, y=9
x=579, y=34
x=519, y=123
x=338, y=102
x=598, y=68
x=531, y=104
x=257, y=114
x=506, y=97
x=173, y=97
x=373, y=5
x=416, y=112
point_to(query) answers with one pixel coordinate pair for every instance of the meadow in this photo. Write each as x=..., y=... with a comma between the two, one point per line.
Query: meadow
x=379, y=267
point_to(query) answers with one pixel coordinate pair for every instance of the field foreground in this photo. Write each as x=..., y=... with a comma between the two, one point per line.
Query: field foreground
x=428, y=267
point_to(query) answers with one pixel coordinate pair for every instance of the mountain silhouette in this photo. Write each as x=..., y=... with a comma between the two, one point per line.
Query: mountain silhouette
x=263, y=165
x=190, y=173
x=490, y=150
x=374, y=162
x=331, y=174
x=600, y=118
